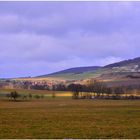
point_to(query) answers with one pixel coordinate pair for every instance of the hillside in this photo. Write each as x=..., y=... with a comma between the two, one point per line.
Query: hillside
x=135, y=61
x=123, y=72
x=78, y=72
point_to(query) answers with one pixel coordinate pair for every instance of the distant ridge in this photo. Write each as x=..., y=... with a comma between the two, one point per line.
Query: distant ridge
x=124, y=63
x=76, y=70
x=124, y=69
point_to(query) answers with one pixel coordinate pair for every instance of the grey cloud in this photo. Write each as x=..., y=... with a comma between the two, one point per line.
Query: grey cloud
x=43, y=37
x=60, y=18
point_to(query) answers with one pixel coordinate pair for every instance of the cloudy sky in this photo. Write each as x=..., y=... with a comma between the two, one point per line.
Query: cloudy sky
x=42, y=37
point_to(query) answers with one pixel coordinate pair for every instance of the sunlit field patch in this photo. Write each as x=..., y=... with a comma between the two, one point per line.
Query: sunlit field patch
x=39, y=92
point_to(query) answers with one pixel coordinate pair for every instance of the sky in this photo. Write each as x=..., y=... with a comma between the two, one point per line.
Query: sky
x=38, y=38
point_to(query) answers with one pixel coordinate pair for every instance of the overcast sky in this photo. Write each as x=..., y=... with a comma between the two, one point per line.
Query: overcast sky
x=42, y=37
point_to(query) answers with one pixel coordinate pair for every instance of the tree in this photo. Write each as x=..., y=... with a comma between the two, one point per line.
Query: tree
x=75, y=88
x=118, y=91
x=97, y=87
x=60, y=87
x=14, y=95
x=108, y=91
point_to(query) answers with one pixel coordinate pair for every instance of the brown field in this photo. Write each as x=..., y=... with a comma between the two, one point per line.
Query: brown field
x=68, y=118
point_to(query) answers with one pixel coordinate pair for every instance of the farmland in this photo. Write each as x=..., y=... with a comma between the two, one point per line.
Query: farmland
x=68, y=118
x=37, y=92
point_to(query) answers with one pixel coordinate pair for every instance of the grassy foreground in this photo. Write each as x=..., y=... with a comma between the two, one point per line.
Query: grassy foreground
x=68, y=118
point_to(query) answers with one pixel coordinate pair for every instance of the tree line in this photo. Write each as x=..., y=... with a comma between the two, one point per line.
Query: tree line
x=92, y=89
x=15, y=96
x=98, y=89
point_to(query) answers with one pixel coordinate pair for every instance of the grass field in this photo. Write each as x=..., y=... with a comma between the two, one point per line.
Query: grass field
x=39, y=92
x=68, y=118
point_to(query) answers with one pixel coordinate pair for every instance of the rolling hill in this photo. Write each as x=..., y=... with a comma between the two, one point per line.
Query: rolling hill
x=120, y=71
x=77, y=70
x=135, y=61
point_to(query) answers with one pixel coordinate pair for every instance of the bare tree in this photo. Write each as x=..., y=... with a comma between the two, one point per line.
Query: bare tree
x=14, y=95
